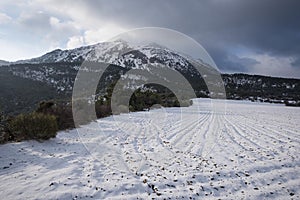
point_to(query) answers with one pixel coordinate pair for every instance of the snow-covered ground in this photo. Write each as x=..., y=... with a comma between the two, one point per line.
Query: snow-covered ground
x=251, y=151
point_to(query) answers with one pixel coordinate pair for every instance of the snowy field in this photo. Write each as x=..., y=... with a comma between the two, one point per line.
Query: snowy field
x=251, y=151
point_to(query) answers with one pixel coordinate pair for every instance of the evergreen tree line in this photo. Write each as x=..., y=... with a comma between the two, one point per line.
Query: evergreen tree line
x=51, y=116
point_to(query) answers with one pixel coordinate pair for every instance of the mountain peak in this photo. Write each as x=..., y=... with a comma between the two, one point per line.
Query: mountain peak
x=54, y=51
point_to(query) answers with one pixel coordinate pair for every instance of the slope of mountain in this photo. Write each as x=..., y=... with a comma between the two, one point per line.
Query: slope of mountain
x=58, y=68
x=263, y=88
x=3, y=63
x=118, y=52
x=97, y=52
x=20, y=95
x=56, y=71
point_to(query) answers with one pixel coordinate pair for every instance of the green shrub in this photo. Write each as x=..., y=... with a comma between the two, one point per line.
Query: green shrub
x=5, y=135
x=61, y=110
x=34, y=126
x=102, y=110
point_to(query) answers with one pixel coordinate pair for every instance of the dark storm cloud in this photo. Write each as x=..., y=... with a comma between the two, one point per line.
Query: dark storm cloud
x=296, y=63
x=231, y=63
x=269, y=26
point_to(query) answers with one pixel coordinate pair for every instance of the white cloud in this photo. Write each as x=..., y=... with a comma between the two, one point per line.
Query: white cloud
x=13, y=48
x=77, y=11
x=94, y=36
x=102, y=34
x=46, y=28
x=274, y=66
x=4, y=18
x=75, y=41
x=61, y=30
x=48, y=24
x=54, y=21
x=68, y=25
x=58, y=24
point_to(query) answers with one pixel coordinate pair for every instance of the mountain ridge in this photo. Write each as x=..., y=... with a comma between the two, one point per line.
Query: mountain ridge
x=65, y=55
x=4, y=63
x=58, y=69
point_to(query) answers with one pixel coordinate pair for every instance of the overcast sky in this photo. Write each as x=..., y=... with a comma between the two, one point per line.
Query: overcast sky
x=254, y=36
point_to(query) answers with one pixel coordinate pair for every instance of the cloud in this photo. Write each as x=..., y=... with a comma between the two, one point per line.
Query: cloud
x=234, y=63
x=102, y=34
x=36, y=22
x=274, y=66
x=75, y=41
x=94, y=36
x=47, y=28
x=60, y=30
x=296, y=62
x=269, y=27
x=4, y=18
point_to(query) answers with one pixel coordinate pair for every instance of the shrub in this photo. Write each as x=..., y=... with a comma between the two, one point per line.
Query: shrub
x=5, y=135
x=102, y=110
x=61, y=110
x=34, y=126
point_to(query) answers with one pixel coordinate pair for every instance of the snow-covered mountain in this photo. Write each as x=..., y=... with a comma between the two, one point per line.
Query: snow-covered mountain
x=58, y=68
x=97, y=52
x=57, y=71
x=118, y=52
